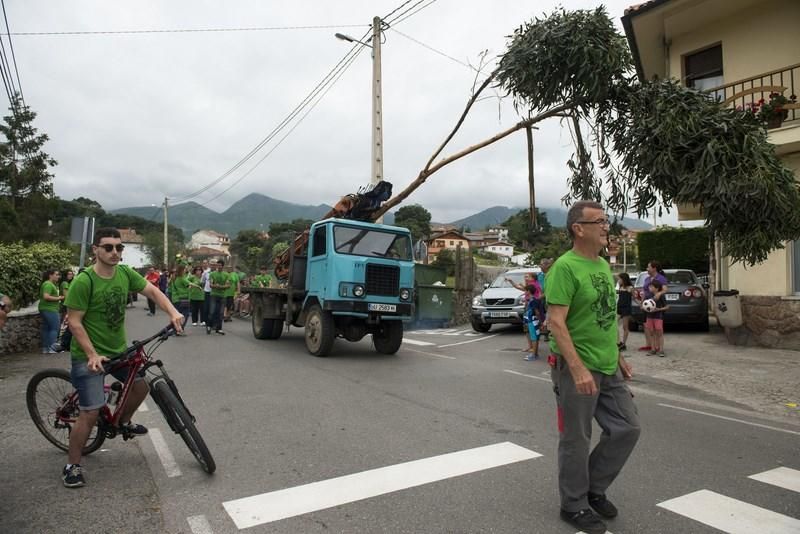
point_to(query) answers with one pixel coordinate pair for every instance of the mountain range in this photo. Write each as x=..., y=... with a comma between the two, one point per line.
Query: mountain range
x=256, y=211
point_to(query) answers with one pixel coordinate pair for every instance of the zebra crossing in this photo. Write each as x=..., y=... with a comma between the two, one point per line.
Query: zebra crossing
x=734, y=516
x=468, y=332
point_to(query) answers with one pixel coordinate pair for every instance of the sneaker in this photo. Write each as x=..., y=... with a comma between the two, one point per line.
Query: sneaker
x=602, y=506
x=73, y=476
x=203, y=323
x=150, y=314
x=194, y=324
x=208, y=330
x=652, y=353
x=132, y=429
x=646, y=347
x=585, y=521
x=661, y=353
x=530, y=357
x=220, y=332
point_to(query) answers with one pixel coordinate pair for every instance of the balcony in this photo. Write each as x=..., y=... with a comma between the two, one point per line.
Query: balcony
x=746, y=93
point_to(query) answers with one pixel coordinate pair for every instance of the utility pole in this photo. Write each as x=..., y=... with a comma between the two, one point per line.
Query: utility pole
x=166, y=234
x=377, y=107
x=531, y=185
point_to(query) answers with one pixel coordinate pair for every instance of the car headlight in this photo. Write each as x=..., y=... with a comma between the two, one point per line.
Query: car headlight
x=520, y=299
x=358, y=290
x=477, y=301
x=405, y=294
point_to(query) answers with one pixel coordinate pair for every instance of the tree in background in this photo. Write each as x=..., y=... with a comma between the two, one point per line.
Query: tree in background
x=446, y=258
x=523, y=234
x=251, y=249
x=26, y=184
x=416, y=218
x=154, y=246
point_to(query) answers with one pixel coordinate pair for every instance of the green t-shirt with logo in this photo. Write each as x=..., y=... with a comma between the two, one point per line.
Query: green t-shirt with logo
x=219, y=278
x=196, y=291
x=179, y=289
x=104, y=318
x=233, y=278
x=587, y=287
x=263, y=280
x=48, y=288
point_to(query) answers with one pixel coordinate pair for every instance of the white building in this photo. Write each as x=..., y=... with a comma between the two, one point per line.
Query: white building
x=134, y=255
x=501, y=248
x=210, y=239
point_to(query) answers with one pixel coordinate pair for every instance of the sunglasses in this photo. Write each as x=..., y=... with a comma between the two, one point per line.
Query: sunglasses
x=109, y=248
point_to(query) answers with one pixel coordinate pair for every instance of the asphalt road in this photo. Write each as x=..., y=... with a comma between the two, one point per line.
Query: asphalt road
x=366, y=443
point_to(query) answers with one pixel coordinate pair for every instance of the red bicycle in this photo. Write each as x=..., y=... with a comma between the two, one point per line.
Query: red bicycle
x=53, y=402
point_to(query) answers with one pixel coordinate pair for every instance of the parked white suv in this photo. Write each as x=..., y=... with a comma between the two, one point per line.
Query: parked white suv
x=500, y=302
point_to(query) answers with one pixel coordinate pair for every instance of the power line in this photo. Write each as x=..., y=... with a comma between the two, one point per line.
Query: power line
x=325, y=80
x=400, y=18
x=395, y=10
x=13, y=55
x=194, y=30
x=299, y=121
x=432, y=49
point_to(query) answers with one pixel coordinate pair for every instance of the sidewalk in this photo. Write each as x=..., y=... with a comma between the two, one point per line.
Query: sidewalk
x=766, y=380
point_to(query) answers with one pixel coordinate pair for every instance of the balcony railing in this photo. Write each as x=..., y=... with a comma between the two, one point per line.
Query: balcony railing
x=746, y=93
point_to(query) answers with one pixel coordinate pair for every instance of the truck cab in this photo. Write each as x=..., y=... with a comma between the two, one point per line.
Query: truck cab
x=352, y=279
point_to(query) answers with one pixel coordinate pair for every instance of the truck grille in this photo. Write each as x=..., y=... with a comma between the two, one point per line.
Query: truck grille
x=499, y=302
x=383, y=280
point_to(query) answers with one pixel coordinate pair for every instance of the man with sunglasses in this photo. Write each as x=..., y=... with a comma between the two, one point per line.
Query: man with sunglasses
x=96, y=302
x=588, y=372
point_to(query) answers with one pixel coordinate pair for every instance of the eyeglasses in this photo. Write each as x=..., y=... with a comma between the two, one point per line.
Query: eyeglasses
x=601, y=222
x=108, y=248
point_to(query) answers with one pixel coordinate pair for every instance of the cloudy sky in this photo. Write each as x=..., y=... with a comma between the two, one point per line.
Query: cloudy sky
x=136, y=117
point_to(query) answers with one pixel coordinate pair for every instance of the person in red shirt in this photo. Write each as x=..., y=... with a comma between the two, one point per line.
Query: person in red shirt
x=153, y=277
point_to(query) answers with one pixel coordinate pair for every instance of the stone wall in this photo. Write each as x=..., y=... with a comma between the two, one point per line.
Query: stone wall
x=22, y=332
x=770, y=322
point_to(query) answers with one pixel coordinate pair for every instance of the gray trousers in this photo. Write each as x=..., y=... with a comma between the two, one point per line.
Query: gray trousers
x=580, y=472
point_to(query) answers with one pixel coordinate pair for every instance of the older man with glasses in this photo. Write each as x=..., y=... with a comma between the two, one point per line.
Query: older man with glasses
x=588, y=372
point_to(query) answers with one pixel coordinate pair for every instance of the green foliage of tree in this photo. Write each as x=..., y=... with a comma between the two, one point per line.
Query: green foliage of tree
x=279, y=247
x=26, y=184
x=558, y=242
x=22, y=266
x=251, y=249
x=446, y=258
x=675, y=248
x=154, y=246
x=416, y=218
x=523, y=234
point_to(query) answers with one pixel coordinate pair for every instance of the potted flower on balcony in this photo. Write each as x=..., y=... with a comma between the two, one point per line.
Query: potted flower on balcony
x=773, y=113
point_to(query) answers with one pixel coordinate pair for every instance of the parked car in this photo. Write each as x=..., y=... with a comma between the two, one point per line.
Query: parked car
x=686, y=297
x=500, y=302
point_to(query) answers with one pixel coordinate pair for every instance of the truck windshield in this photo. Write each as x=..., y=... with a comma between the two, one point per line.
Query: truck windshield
x=372, y=243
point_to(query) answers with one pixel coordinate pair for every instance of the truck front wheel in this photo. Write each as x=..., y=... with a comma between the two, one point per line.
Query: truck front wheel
x=389, y=338
x=320, y=331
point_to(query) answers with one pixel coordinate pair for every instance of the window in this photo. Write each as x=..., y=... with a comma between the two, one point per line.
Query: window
x=451, y=243
x=703, y=70
x=318, y=248
x=440, y=244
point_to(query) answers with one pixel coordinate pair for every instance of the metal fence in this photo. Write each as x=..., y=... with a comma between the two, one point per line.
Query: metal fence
x=748, y=92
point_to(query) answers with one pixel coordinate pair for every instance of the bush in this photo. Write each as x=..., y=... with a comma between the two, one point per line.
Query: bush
x=675, y=248
x=21, y=268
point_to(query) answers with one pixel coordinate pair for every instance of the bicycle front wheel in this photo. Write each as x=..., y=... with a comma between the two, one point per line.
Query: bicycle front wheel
x=181, y=423
x=53, y=406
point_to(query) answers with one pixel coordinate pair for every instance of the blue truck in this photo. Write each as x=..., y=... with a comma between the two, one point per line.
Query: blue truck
x=349, y=279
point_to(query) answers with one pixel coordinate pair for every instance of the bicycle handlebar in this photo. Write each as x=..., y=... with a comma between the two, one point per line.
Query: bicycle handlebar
x=163, y=334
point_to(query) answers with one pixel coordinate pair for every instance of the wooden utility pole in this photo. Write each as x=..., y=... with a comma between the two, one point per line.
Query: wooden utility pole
x=166, y=235
x=531, y=186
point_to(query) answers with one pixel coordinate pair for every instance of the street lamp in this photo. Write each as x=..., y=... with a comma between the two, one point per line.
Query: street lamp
x=376, y=173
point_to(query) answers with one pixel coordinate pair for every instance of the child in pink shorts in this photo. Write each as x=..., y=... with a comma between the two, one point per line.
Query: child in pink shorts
x=655, y=320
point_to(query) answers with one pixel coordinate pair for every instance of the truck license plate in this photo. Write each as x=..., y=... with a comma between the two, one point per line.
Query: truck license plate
x=673, y=296
x=382, y=307
x=500, y=314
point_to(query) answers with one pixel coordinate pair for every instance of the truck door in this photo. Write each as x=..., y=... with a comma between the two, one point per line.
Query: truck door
x=317, y=273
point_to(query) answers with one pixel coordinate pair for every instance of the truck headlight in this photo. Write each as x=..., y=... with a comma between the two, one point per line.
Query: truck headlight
x=358, y=290
x=405, y=294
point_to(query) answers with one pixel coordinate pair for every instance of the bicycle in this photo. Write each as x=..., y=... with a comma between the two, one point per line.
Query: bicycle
x=53, y=402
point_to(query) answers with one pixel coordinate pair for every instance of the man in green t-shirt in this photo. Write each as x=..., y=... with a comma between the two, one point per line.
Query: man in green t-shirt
x=219, y=282
x=588, y=372
x=263, y=279
x=96, y=303
x=231, y=291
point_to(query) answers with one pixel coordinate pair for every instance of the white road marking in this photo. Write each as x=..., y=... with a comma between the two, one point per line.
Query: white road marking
x=528, y=376
x=730, y=515
x=759, y=425
x=143, y=407
x=454, y=333
x=783, y=477
x=470, y=341
x=472, y=334
x=444, y=357
x=164, y=454
x=415, y=342
x=290, y=502
x=199, y=524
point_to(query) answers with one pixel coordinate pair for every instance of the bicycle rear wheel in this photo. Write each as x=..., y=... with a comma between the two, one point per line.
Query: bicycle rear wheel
x=181, y=423
x=53, y=406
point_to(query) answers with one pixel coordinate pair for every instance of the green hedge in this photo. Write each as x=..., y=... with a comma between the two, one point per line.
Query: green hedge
x=21, y=268
x=675, y=248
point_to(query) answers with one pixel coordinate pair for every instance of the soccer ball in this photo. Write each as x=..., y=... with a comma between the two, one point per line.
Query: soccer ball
x=649, y=305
